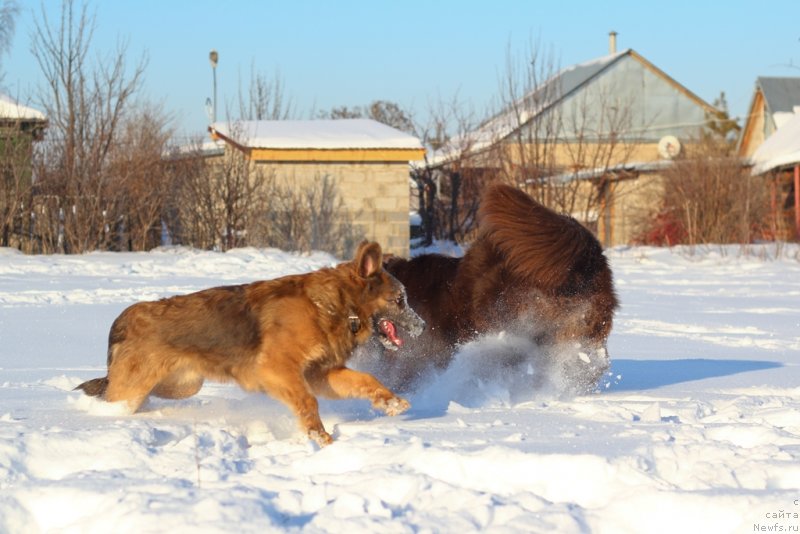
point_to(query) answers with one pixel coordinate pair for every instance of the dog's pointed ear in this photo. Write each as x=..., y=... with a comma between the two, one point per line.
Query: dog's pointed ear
x=368, y=259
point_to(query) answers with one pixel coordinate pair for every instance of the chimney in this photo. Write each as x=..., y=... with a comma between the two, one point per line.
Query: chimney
x=612, y=42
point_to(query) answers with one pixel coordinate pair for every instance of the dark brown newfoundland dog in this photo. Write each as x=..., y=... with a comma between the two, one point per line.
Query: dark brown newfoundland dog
x=531, y=272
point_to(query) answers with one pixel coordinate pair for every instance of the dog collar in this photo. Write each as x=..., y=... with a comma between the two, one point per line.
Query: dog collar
x=355, y=323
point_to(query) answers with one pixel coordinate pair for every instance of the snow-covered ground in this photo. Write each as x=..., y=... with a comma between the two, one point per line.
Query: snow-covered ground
x=697, y=429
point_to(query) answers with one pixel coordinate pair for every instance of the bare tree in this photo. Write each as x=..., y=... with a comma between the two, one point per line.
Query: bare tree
x=86, y=107
x=719, y=124
x=526, y=128
x=382, y=111
x=265, y=98
x=562, y=151
x=9, y=9
x=140, y=172
x=391, y=114
x=15, y=148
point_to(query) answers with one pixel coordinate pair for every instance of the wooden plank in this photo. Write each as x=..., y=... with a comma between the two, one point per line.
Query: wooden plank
x=352, y=154
x=797, y=200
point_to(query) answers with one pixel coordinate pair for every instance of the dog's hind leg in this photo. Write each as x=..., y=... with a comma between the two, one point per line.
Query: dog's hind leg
x=342, y=383
x=131, y=378
x=133, y=394
x=178, y=385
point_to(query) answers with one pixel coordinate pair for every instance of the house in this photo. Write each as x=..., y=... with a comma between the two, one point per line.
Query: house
x=778, y=160
x=20, y=126
x=770, y=141
x=20, y=119
x=591, y=140
x=773, y=103
x=368, y=162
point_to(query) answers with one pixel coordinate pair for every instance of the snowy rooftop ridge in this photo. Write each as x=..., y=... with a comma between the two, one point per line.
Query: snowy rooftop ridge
x=11, y=109
x=530, y=105
x=781, y=149
x=321, y=134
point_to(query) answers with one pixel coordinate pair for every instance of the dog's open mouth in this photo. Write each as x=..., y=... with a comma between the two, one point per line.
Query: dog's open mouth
x=389, y=336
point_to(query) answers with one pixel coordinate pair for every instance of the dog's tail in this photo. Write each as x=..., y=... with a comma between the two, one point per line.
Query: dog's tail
x=95, y=387
x=550, y=251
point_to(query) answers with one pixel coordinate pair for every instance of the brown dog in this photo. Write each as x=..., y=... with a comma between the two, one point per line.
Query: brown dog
x=286, y=337
x=531, y=271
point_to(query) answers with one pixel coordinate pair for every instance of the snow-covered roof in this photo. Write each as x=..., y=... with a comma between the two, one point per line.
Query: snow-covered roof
x=781, y=149
x=11, y=109
x=204, y=147
x=323, y=134
x=529, y=106
x=780, y=94
x=649, y=118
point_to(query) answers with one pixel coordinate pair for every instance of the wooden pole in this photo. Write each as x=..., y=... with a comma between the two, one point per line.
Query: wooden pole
x=773, y=205
x=797, y=200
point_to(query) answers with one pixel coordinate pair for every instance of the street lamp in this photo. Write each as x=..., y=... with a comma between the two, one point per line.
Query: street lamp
x=213, y=58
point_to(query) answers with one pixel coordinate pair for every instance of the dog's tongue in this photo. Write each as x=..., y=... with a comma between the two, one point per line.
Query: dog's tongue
x=388, y=329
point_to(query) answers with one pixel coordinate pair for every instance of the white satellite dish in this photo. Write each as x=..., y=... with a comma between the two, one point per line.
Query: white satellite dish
x=209, y=111
x=669, y=147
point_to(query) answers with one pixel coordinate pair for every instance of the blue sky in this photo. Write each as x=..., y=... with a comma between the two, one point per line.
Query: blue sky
x=416, y=53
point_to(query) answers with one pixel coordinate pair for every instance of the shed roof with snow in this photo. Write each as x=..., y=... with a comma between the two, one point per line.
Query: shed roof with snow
x=320, y=140
x=780, y=150
x=16, y=119
x=10, y=109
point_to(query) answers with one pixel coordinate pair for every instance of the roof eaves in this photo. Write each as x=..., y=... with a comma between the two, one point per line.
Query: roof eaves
x=586, y=174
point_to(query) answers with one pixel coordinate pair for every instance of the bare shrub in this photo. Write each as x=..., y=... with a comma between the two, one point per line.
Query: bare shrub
x=311, y=217
x=709, y=197
x=448, y=185
x=214, y=199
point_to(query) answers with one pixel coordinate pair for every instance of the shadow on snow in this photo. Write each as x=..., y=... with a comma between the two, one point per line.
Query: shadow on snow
x=649, y=374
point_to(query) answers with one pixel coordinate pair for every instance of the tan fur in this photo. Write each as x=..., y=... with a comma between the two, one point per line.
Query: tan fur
x=289, y=337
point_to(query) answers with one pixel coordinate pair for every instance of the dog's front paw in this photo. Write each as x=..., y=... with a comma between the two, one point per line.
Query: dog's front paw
x=320, y=437
x=392, y=406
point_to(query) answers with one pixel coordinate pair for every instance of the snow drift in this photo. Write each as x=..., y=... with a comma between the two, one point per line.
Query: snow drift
x=697, y=428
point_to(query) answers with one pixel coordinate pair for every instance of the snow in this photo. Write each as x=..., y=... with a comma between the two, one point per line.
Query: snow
x=781, y=149
x=325, y=134
x=11, y=109
x=696, y=429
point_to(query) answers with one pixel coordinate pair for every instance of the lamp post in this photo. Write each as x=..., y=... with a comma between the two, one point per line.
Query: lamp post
x=213, y=58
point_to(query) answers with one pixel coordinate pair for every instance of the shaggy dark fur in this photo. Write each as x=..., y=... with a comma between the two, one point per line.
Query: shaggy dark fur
x=530, y=270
